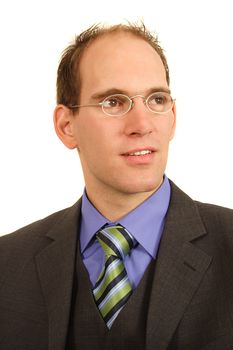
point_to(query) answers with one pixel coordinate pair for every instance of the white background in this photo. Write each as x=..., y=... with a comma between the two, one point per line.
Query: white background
x=38, y=175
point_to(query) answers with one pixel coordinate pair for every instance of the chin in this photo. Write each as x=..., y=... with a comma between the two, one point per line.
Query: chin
x=143, y=187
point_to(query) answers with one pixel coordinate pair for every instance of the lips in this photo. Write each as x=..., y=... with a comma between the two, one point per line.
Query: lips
x=140, y=157
x=139, y=152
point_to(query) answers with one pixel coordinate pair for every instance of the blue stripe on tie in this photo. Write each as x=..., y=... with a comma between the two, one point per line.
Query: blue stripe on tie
x=131, y=240
x=114, y=264
x=118, y=306
x=110, y=286
x=112, y=319
x=113, y=291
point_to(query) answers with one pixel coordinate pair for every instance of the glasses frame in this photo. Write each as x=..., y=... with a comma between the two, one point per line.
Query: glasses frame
x=131, y=104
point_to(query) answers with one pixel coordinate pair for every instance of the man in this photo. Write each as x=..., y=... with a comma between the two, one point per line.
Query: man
x=135, y=263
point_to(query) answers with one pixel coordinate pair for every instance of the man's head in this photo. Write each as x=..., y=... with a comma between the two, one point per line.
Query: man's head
x=120, y=155
x=69, y=75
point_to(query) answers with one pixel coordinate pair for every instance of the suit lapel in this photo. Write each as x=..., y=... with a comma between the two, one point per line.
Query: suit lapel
x=56, y=269
x=180, y=268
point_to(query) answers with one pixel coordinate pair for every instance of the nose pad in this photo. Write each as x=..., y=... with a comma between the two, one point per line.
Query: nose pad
x=132, y=104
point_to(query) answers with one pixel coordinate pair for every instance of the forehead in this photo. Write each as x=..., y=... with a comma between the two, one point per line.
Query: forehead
x=122, y=61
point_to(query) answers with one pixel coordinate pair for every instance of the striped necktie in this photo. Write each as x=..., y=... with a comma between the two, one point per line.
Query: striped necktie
x=113, y=288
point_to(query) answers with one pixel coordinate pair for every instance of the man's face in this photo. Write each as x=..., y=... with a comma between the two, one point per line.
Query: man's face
x=111, y=148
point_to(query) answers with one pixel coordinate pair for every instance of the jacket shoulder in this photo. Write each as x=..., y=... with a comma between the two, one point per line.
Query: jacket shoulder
x=216, y=216
x=30, y=239
x=217, y=220
x=35, y=228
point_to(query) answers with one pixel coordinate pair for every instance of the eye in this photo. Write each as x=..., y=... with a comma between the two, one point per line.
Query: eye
x=115, y=101
x=159, y=99
x=111, y=102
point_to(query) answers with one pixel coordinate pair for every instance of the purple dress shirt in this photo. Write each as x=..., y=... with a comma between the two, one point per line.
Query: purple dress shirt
x=145, y=223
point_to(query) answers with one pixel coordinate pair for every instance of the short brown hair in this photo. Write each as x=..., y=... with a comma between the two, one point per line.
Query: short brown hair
x=68, y=75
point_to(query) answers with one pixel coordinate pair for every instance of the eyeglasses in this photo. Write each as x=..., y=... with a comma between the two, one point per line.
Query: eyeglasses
x=119, y=104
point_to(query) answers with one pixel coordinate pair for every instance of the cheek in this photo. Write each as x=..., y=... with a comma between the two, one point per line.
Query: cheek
x=168, y=127
x=166, y=132
x=94, y=136
x=84, y=130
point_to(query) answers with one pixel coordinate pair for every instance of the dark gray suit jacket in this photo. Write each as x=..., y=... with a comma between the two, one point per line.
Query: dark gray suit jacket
x=191, y=304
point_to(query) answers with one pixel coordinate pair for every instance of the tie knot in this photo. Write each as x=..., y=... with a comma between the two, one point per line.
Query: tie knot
x=115, y=240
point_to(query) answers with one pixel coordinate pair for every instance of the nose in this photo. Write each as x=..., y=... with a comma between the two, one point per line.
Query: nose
x=138, y=121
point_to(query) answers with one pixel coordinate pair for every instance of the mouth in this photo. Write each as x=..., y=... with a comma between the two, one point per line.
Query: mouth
x=139, y=157
x=139, y=153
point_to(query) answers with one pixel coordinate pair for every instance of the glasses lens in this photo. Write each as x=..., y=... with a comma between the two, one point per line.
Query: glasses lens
x=159, y=102
x=116, y=105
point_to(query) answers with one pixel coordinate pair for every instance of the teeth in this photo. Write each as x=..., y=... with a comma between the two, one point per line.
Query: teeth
x=140, y=153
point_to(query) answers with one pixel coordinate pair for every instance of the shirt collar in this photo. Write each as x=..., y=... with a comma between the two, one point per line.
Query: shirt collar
x=145, y=222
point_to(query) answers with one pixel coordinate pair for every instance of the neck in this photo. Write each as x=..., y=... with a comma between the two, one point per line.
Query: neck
x=113, y=206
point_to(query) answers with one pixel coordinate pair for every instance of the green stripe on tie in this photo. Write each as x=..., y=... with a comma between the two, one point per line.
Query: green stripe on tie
x=108, y=280
x=115, y=299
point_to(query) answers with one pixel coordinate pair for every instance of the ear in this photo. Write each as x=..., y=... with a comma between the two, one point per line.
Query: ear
x=174, y=122
x=63, y=119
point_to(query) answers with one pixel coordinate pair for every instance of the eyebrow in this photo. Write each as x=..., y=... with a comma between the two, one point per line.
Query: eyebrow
x=102, y=94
